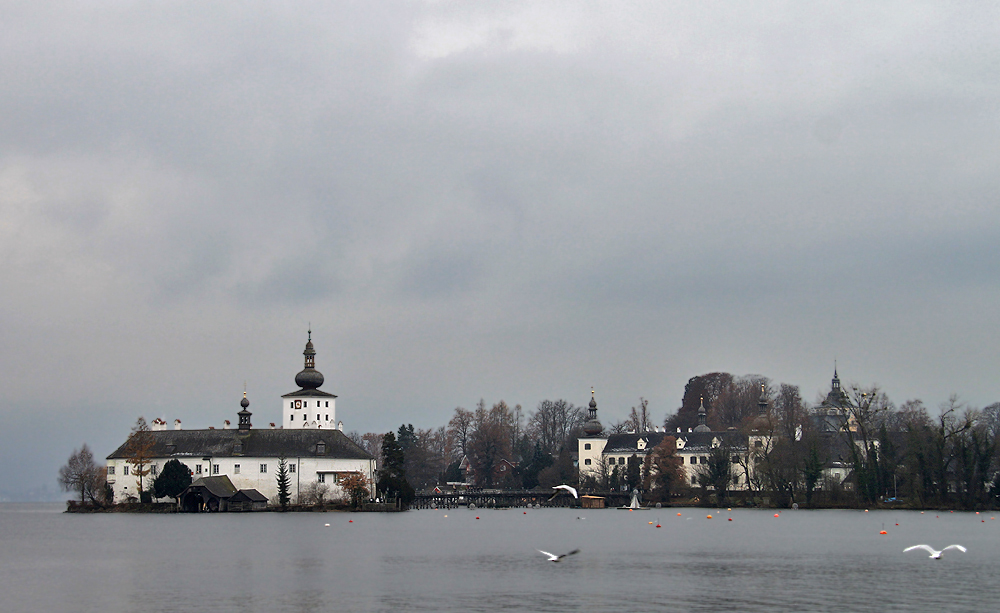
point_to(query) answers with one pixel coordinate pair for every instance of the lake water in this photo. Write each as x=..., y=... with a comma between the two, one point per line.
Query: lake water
x=451, y=561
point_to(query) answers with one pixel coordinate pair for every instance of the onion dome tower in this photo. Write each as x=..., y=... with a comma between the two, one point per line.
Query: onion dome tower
x=762, y=403
x=244, y=414
x=309, y=407
x=593, y=426
x=309, y=377
x=702, y=418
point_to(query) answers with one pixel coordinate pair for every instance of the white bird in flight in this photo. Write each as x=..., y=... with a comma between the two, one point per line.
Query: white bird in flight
x=934, y=552
x=554, y=558
x=568, y=488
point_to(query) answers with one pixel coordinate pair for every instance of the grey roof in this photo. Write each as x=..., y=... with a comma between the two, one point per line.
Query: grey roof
x=308, y=393
x=255, y=443
x=249, y=495
x=220, y=487
x=628, y=443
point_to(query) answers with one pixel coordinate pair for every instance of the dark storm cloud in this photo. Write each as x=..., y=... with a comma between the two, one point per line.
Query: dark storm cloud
x=509, y=200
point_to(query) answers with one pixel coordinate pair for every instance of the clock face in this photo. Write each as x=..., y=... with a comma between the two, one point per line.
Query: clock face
x=298, y=404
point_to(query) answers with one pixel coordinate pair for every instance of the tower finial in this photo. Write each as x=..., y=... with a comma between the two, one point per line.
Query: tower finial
x=310, y=331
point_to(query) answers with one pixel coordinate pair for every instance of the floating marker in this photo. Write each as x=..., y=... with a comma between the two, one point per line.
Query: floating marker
x=350, y=521
x=446, y=516
x=678, y=515
x=657, y=525
x=775, y=514
x=883, y=532
x=730, y=519
x=477, y=517
x=327, y=525
x=650, y=523
x=708, y=517
x=525, y=512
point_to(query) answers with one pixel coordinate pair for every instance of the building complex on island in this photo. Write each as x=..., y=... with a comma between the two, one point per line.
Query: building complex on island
x=245, y=459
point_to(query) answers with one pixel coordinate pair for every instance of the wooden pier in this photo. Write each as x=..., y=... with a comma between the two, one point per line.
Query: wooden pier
x=508, y=499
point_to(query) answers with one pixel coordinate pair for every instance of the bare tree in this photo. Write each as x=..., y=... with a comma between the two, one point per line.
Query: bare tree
x=138, y=451
x=460, y=428
x=552, y=423
x=639, y=420
x=81, y=474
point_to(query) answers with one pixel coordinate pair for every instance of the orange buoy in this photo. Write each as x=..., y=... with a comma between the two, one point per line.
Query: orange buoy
x=658, y=526
x=708, y=517
x=883, y=532
x=775, y=514
x=477, y=517
x=350, y=521
x=678, y=515
x=730, y=519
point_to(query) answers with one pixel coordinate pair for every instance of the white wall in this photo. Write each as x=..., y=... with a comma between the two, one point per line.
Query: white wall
x=305, y=416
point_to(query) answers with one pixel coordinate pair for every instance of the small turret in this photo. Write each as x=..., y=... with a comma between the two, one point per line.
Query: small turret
x=244, y=414
x=593, y=425
x=702, y=418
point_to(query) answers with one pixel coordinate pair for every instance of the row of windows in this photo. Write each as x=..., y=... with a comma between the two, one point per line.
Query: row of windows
x=692, y=460
x=305, y=417
x=304, y=404
x=155, y=470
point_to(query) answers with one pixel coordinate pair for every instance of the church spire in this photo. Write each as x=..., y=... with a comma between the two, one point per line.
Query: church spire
x=762, y=403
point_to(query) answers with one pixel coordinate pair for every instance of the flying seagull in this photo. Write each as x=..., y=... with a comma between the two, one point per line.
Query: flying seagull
x=935, y=553
x=554, y=558
x=568, y=488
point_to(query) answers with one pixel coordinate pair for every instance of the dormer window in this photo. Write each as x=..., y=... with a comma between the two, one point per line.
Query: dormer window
x=238, y=448
x=320, y=448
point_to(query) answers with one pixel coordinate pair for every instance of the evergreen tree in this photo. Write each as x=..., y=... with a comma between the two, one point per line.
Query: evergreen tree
x=392, y=482
x=284, y=483
x=172, y=480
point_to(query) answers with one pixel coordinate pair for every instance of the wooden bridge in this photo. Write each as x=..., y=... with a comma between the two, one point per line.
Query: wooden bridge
x=505, y=499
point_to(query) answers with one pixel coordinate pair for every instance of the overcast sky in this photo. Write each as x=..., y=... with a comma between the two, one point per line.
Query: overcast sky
x=509, y=200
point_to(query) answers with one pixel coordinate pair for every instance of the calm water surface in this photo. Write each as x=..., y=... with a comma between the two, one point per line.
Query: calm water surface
x=451, y=561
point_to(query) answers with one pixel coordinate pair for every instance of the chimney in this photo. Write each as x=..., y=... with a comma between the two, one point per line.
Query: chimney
x=211, y=427
x=225, y=425
x=177, y=424
x=272, y=425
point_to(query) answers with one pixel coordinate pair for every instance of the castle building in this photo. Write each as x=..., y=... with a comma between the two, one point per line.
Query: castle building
x=315, y=451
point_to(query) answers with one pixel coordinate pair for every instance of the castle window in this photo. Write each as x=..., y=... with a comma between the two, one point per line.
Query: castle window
x=291, y=418
x=704, y=460
x=317, y=416
x=291, y=468
x=321, y=477
x=111, y=470
x=694, y=460
x=125, y=470
x=236, y=469
x=153, y=470
x=586, y=462
x=611, y=461
x=263, y=468
x=238, y=448
x=321, y=448
x=197, y=469
x=215, y=469
x=736, y=459
x=758, y=444
x=586, y=445
x=327, y=403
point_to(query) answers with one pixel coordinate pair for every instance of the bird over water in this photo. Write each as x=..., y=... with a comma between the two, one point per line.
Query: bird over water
x=934, y=553
x=554, y=558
